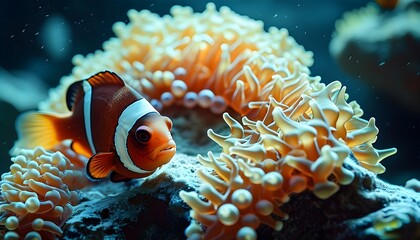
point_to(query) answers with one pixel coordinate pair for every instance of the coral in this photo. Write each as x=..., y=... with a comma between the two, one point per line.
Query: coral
x=380, y=47
x=398, y=221
x=37, y=195
x=413, y=184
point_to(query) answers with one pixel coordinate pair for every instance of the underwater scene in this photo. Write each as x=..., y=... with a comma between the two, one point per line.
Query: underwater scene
x=210, y=120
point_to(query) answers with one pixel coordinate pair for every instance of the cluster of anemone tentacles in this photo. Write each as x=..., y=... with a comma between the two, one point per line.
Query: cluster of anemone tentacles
x=296, y=146
x=295, y=132
x=38, y=194
x=191, y=59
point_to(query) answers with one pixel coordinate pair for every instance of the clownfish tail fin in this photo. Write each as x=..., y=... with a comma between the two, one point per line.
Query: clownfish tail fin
x=38, y=129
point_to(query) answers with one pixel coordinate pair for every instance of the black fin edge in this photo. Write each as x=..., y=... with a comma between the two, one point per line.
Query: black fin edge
x=73, y=92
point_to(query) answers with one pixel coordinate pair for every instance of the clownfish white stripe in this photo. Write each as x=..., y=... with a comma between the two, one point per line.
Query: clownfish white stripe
x=126, y=121
x=87, y=88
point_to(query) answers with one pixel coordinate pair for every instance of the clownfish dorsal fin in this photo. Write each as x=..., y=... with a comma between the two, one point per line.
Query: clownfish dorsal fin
x=74, y=93
x=105, y=78
x=100, y=165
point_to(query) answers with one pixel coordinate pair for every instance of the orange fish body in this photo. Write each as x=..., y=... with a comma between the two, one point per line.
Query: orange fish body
x=109, y=121
x=387, y=4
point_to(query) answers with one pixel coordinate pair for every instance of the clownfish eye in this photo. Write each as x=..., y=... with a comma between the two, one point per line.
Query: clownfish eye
x=143, y=134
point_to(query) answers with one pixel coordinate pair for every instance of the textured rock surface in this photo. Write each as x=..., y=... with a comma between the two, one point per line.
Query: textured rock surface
x=369, y=208
x=151, y=209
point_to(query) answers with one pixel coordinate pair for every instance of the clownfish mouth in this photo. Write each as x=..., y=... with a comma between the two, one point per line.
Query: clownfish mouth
x=167, y=151
x=160, y=156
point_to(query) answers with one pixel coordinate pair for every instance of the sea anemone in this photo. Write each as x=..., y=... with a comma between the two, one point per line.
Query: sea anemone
x=296, y=147
x=193, y=59
x=38, y=194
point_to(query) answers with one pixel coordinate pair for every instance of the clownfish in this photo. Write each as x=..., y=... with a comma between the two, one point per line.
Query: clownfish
x=123, y=134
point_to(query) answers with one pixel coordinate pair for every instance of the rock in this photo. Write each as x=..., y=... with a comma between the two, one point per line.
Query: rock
x=140, y=209
x=368, y=208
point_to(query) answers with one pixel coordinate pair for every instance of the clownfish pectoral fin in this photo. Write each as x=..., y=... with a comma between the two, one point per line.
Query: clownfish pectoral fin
x=100, y=165
x=104, y=78
x=39, y=129
x=116, y=177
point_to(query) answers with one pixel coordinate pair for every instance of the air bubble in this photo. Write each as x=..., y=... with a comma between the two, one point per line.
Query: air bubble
x=167, y=99
x=190, y=99
x=205, y=97
x=179, y=88
x=218, y=105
